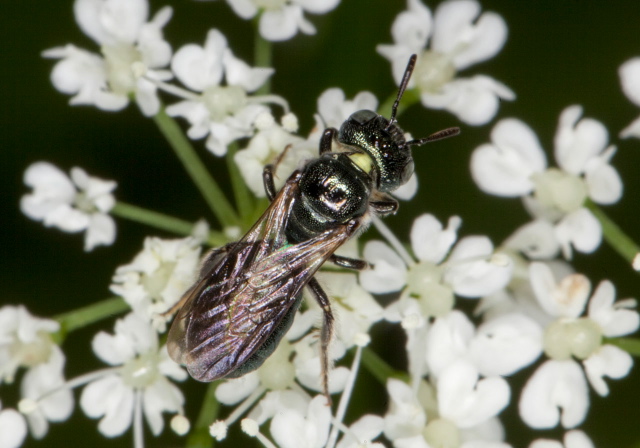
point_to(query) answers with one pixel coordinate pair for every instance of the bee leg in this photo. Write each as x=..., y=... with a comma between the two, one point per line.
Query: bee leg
x=269, y=173
x=325, y=335
x=326, y=141
x=349, y=263
x=384, y=205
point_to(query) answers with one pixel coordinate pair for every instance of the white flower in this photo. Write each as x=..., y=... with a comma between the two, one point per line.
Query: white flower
x=224, y=113
x=129, y=45
x=281, y=19
x=137, y=384
x=460, y=37
x=13, y=428
x=464, y=408
x=158, y=276
x=334, y=108
x=25, y=340
x=514, y=164
x=500, y=346
x=560, y=382
x=572, y=439
x=629, y=75
x=362, y=432
x=73, y=205
x=468, y=270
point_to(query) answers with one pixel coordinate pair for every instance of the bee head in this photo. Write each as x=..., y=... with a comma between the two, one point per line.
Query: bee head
x=384, y=141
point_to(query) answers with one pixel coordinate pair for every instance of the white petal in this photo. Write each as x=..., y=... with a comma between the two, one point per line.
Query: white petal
x=609, y=361
x=109, y=397
x=604, y=184
x=632, y=130
x=557, y=392
x=505, y=166
x=506, y=344
x=246, y=9
x=468, y=401
x=566, y=299
x=318, y=6
x=470, y=271
x=614, y=320
x=235, y=390
x=363, y=431
x=290, y=429
x=281, y=24
x=577, y=439
x=537, y=240
x=101, y=231
x=411, y=28
x=161, y=396
x=238, y=73
x=448, y=340
x=630, y=79
x=198, y=67
x=581, y=230
x=389, y=271
x=429, y=241
x=112, y=21
x=576, y=142
x=475, y=100
x=13, y=429
x=407, y=191
x=454, y=30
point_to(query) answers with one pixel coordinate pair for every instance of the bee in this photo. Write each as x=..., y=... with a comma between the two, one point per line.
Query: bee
x=247, y=294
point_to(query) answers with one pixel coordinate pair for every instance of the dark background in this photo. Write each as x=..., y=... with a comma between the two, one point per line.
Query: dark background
x=558, y=53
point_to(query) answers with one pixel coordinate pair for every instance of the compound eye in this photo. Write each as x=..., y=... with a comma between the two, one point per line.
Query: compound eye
x=363, y=116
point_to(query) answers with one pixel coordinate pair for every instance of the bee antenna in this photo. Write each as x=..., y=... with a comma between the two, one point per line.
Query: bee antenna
x=403, y=86
x=445, y=133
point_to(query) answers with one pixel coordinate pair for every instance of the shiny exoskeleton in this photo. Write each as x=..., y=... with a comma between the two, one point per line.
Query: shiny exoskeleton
x=248, y=292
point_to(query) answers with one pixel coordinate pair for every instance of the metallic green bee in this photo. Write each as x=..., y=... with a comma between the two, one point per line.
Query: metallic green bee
x=248, y=292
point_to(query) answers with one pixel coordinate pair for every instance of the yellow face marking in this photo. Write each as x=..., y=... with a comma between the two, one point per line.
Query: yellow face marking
x=362, y=161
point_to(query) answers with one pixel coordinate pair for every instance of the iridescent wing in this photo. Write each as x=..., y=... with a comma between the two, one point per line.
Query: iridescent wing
x=246, y=293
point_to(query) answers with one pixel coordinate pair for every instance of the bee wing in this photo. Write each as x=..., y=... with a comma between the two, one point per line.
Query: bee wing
x=234, y=309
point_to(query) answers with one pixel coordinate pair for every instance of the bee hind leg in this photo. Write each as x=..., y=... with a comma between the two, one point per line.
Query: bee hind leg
x=325, y=335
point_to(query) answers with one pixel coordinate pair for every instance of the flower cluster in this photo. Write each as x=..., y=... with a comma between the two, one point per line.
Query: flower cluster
x=534, y=315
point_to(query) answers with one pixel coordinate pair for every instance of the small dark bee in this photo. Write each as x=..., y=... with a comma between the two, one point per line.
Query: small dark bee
x=248, y=292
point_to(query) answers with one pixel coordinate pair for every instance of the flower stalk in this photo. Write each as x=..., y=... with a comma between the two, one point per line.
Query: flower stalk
x=203, y=180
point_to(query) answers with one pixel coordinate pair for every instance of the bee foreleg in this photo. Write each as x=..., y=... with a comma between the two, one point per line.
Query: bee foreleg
x=326, y=141
x=349, y=263
x=325, y=335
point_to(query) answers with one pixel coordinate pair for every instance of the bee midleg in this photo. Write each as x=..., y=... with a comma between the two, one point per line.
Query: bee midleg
x=349, y=263
x=326, y=141
x=325, y=335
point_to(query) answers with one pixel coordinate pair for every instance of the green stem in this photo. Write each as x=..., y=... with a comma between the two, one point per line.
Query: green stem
x=81, y=317
x=201, y=177
x=199, y=436
x=629, y=345
x=262, y=57
x=379, y=368
x=410, y=97
x=162, y=221
x=614, y=235
x=241, y=193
